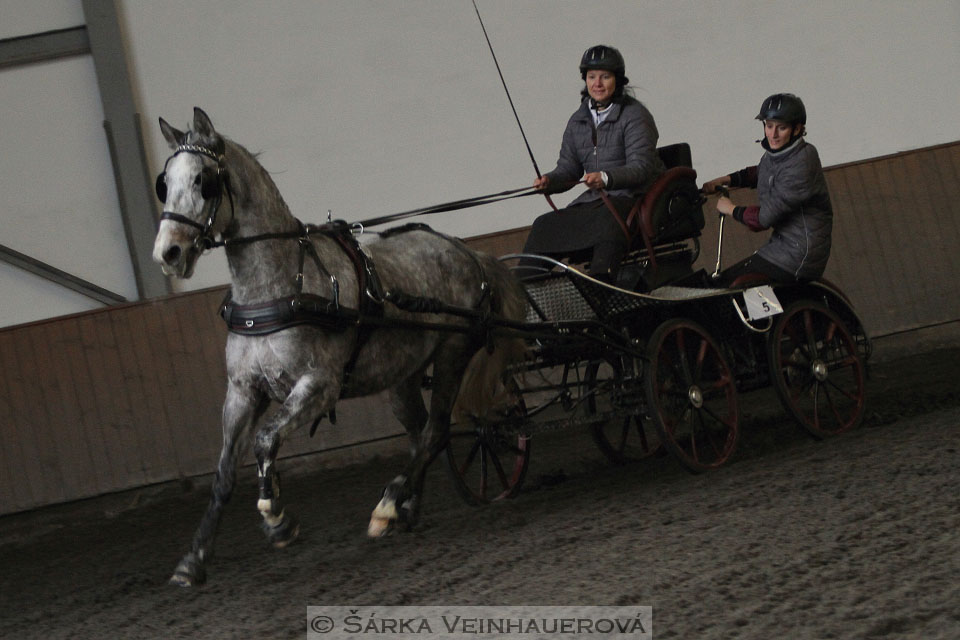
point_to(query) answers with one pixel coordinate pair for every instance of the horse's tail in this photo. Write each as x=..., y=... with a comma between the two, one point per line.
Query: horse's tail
x=483, y=389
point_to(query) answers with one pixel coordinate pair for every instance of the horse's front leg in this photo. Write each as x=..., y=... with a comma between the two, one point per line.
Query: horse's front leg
x=308, y=400
x=241, y=409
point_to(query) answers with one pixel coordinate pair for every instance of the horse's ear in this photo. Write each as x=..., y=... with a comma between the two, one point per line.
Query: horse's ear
x=174, y=137
x=202, y=124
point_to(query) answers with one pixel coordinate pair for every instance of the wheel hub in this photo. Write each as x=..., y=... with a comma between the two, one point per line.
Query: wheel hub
x=819, y=369
x=695, y=395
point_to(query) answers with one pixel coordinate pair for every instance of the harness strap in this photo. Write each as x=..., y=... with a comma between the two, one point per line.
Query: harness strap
x=275, y=315
x=370, y=296
x=616, y=216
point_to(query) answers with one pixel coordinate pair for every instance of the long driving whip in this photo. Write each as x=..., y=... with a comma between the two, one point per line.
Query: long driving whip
x=509, y=98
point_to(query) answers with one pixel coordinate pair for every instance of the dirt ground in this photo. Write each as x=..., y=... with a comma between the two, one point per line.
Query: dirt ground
x=854, y=537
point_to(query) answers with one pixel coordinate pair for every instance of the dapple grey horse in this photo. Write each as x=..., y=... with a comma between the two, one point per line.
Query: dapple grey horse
x=213, y=188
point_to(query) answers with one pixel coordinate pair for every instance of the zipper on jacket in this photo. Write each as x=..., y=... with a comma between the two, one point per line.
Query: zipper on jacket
x=596, y=152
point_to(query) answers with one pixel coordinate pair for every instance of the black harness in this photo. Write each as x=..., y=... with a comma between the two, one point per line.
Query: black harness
x=307, y=308
x=315, y=310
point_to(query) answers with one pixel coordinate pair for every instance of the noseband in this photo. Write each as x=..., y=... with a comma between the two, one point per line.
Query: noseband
x=205, y=239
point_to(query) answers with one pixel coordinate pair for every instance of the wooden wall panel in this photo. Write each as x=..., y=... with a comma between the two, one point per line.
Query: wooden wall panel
x=131, y=395
x=16, y=445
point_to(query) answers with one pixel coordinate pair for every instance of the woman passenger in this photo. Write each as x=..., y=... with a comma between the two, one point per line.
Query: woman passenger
x=792, y=195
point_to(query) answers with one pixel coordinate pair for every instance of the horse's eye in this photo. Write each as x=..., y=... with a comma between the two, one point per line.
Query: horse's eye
x=196, y=181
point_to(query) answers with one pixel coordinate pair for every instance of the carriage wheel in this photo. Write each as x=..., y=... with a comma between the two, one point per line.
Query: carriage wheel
x=485, y=462
x=622, y=439
x=816, y=369
x=692, y=395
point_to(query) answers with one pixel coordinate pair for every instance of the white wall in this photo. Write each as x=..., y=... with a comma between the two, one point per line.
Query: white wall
x=368, y=108
x=25, y=17
x=58, y=199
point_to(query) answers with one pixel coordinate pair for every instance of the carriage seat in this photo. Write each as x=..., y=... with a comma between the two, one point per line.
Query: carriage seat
x=670, y=213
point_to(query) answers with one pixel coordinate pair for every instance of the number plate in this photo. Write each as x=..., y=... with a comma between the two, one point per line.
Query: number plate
x=761, y=302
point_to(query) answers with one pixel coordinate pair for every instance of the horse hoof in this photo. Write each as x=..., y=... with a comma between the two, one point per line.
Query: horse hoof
x=379, y=527
x=383, y=518
x=189, y=572
x=284, y=533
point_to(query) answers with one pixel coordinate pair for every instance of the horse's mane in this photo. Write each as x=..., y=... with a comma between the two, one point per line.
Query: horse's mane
x=244, y=167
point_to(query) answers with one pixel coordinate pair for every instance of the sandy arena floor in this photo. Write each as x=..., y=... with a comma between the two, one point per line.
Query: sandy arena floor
x=854, y=537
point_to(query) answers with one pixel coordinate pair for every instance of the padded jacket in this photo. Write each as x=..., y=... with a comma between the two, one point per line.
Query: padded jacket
x=794, y=202
x=624, y=146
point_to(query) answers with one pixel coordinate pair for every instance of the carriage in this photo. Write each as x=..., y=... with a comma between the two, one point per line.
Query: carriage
x=656, y=359
x=659, y=359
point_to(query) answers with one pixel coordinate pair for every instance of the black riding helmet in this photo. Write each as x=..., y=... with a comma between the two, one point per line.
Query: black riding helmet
x=785, y=107
x=602, y=57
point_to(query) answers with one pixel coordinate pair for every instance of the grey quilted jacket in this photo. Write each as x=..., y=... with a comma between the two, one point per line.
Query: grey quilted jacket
x=624, y=145
x=794, y=201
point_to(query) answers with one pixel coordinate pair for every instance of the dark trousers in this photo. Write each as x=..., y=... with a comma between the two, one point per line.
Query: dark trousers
x=581, y=233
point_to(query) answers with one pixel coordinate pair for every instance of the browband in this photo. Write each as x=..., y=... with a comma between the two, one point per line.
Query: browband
x=194, y=148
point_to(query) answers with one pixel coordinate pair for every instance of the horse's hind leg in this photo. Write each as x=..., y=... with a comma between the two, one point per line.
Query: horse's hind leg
x=407, y=404
x=241, y=409
x=308, y=399
x=402, y=497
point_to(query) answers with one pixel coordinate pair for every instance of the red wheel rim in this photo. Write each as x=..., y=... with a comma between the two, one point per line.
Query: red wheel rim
x=817, y=370
x=692, y=395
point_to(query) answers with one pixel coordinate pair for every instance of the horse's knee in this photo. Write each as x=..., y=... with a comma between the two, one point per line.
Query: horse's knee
x=265, y=446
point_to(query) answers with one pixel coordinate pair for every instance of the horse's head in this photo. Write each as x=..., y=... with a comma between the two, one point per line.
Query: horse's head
x=191, y=187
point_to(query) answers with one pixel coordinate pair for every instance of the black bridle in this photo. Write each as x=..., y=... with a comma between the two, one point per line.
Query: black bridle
x=205, y=240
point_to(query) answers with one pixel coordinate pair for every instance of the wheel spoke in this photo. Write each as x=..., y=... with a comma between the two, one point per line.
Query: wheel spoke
x=624, y=433
x=644, y=443
x=720, y=383
x=671, y=393
x=850, y=395
x=801, y=387
x=816, y=404
x=810, y=333
x=684, y=360
x=831, y=331
x=833, y=407
x=843, y=363
x=795, y=340
x=689, y=388
x=693, y=438
x=499, y=469
x=701, y=356
x=514, y=448
x=470, y=456
x=483, y=472
x=816, y=400
x=709, y=433
x=710, y=412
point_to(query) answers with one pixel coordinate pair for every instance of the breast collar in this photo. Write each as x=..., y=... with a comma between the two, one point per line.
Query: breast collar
x=307, y=308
